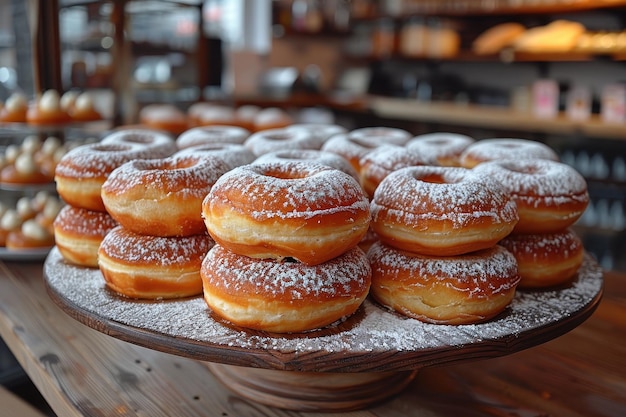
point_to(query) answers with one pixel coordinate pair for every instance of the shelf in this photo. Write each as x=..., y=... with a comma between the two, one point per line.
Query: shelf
x=492, y=117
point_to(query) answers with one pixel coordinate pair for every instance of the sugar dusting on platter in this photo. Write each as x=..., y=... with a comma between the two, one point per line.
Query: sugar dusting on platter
x=375, y=330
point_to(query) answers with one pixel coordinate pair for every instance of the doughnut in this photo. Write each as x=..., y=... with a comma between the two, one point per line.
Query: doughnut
x=245, y=116
x=161, y=197
x=78, y=233
x=550, y=196
x=384, y=160
x=152, y=267
x=440, y=148
x=441, y=211
x=30, y=235
x=215, y=115
x=505, y=148
x=48, y=212
x=545, y=259
x=322, y=131
x=79, y=175
x=357, y=143
x=165, y=117
x=25, y=171
x=233, y=154
x=310, y=155
x=299, y=210
x=194, y=111
x=212, y=134
x=14, y=109
x=47, y=110
x=271, y=118
x=83, y=109
x=9, y=222
x=284, y=297
x=271, y=140
x=158, y=143
x=462, y=289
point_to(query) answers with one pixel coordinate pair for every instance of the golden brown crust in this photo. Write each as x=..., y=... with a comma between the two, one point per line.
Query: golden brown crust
x=546, y=260
x=461, y=289
x=285, y=296
x=309, y=212
x=441, y=211
x=79, y=232
x=162, y=197
x=151, y=267
x=382, y=161
x=11, y=175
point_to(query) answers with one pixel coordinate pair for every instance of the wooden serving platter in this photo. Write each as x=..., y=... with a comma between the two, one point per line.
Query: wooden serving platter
x=374, y=348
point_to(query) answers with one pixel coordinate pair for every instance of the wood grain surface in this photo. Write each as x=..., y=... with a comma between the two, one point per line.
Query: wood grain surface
x=82, y=372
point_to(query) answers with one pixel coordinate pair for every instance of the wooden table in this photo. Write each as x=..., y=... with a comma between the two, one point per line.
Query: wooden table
x=82, y=372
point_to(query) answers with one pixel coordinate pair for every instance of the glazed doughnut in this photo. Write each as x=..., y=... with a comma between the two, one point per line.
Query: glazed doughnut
x=463, y=289
x=79, y=175
x=212, y=134
x=299, y=210
x=165, y=117
x=550, y=196
x=47, y=110
x=441, y=148
x=233, y=154
x=30, y=235
x=14, y=109
x=322, y=131
x=158, y=143
x=309, y=155
x=505, y=148
x=271, y=118
x=79, y=232
x=384, y=160
x=284, y=297
x=441, y=211
x=152, y=267
x=271, y=140
x=161, y=197
x=546, y=259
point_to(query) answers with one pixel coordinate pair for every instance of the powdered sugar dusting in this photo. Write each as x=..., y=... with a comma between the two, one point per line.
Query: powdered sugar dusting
x=376, y=330
x=508, y=148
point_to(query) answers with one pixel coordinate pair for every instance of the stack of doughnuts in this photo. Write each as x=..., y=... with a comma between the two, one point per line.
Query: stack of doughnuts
x=438, y=258
x=156, y=250
x=84, y=221
x=550, y=196
x=286, y=257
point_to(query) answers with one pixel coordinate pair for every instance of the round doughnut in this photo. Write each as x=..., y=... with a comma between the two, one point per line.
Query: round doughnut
x=25, y=170
x=271, y=118
x=322, y=131
x=441, y=211
x=83, y=109
x=309, y=155
x=161, y=197
x=550, y=195
x=78, y=233
x=160, y=144
x=384, y=160
x=164, y=117
x=454, y=290
x=382, y=134
x=152, y=267
x=233, y=154
x=351, y=149
x=299, y=210
x=284, y=297
x=80, y=173
x=203, y=135
x=505, y=148
x=47, y=110
x=14, y=109
x=546, y=259
x=196, y=109
x=30, y=235
x=441, y=148
x=245, y=116
x=271, y=140
x=215, y=115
